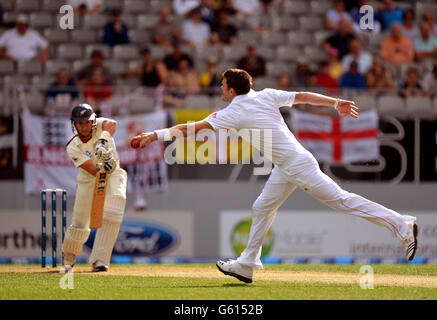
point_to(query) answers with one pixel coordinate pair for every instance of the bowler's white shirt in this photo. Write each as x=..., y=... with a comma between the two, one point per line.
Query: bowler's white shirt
x=260, y=110
x=22, y=47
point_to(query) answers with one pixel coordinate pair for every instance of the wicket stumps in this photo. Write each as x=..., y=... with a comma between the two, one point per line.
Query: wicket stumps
x=54, y=222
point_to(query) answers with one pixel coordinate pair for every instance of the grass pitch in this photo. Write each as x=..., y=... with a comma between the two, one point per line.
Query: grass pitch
x=205, y=282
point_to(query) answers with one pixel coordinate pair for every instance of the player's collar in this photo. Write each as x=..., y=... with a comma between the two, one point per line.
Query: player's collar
x=242, y=96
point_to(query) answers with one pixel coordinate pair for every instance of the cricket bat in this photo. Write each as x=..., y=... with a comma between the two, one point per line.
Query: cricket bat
x=98, y=200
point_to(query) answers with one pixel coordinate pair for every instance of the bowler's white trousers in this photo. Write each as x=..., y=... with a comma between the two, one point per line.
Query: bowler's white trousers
x=312, y=180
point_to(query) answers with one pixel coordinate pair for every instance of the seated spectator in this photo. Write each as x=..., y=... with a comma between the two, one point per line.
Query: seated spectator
x=116, y=31
x=356, y=53
x=195, y=32
x=84, y=7
x=86, y=72
x=223, y=33
x=334, y=15
x=353, y=79
x=254, y=64
x=325, y=80
x=429, y=18
x=97, y=91
x=61, y=95
x=389, y=14
x=23, y=44
x=266, y=19
x=357, y=15
x=209, y=79
x=152, y=73
x=430, y=82
x=379, y=78
x=397, y=49
x=172, y=60
x=228, y=6
x=284, y=82
x=409, y=28
x=183, y=7
x=165, y=31
x=208, y=11
x=411, y=86
x=425, y=45
x=302, y=72
x=184, y=79
x=340, y=39
x=312, y=84
x=335, y=65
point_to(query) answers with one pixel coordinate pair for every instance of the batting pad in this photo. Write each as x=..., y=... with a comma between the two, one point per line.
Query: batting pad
x=104, y=242
x=114, y=208
x=74, y=240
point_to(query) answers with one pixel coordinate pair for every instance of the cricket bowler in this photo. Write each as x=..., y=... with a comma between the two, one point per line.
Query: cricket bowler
x=92, y=150
x=295, y=167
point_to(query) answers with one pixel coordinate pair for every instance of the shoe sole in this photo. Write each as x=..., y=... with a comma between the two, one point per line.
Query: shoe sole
x=235, y=275
x=415, y=232
x=100, y=269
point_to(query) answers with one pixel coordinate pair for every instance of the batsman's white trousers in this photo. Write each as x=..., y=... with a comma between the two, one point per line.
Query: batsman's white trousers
x=312, y=180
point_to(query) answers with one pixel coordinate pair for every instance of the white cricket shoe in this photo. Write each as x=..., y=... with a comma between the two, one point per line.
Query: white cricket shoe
x=410, y=244
x=99, y=266
x=68, y=262
x=235, y=269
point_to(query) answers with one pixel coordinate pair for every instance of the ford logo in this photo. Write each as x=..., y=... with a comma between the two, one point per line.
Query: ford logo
x=141, y=238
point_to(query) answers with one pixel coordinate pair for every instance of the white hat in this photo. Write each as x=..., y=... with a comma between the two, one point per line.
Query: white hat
x=22, y=18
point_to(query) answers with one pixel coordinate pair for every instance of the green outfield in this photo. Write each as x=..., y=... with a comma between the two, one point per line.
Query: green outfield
x=205, y=282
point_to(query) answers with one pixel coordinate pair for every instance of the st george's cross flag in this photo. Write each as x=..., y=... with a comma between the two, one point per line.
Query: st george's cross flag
x=338, y=140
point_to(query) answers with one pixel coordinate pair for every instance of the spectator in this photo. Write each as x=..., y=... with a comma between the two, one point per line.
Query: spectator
x=228, y=6
x=357, y=17
x=340, y=39
x=409, y=28
x=428, y=17
x=302, y=72
x=430, y=82
x=184, y=79
x=209, y=79
x=194, y=31
x=84, y=7
x=97, y=91
x=334, y=15
x=284, y=82
x=165, y=31
x=325, y=80
x=425, y=45
x=183, y=7
x=312, y=84
x=353, y=79
x=389, y=14
x=207, y=10
x=172, y=60
x=356, y=53
x=86, y=72
x=335, y=65
x=23, y=44
x=223, y=32
x=152, y=73
x=254, y=64
x=397, y=49
x=61, y=95
x=116, y=31
x=411, y=85
x=379, y=78
x=266, y=18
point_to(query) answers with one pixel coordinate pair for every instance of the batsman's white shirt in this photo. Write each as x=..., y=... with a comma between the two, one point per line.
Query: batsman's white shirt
x=260, y=110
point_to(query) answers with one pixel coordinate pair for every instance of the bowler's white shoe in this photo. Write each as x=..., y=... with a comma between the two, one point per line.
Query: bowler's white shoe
x=234, y=269
x=99, y=266
x=410, y=244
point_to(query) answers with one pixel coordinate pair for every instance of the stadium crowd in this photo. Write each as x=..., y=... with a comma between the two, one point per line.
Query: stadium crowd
x=184, y=45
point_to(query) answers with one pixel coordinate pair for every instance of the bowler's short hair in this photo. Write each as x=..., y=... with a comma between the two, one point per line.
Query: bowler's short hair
x=239, y=80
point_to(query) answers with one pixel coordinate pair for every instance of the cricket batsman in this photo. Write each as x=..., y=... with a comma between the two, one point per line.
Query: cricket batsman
x=295, y=167
x=92, y=149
